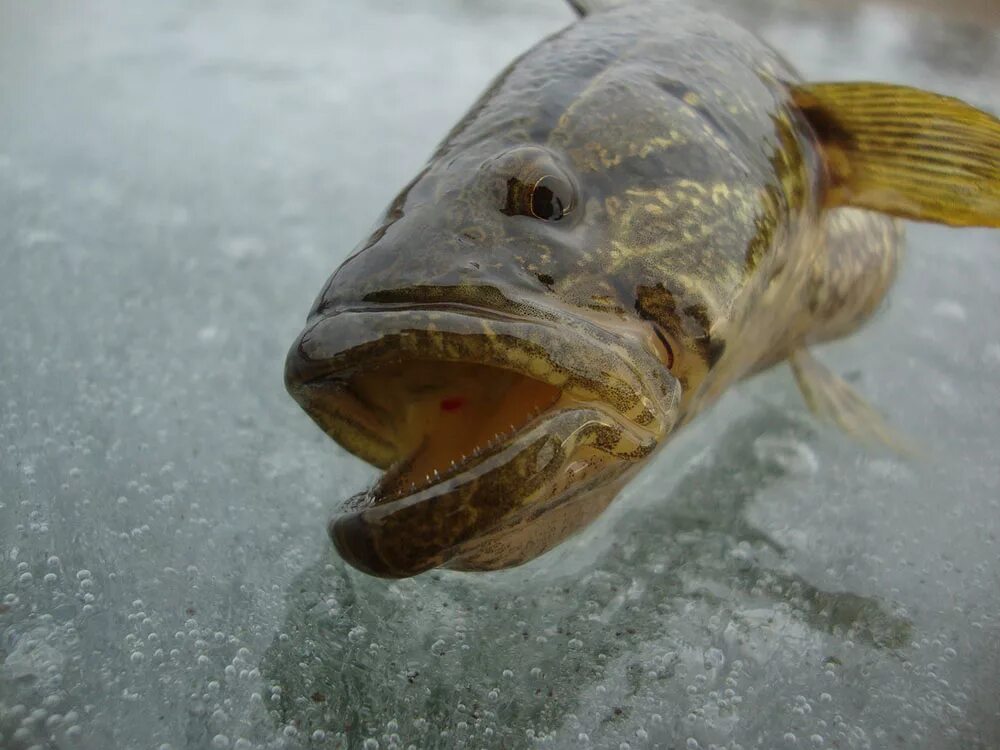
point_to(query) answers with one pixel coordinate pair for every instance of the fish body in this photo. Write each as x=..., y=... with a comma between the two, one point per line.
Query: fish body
x=640, y=211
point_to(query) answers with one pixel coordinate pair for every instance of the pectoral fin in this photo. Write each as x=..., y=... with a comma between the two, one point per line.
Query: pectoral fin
x=906, y=152
x=830, y=398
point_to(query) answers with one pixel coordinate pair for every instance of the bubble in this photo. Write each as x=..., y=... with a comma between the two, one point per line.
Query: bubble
x=50, y=578
x=949, y=309
x=714, y=659
x=786, y=454
x=220, y=740
x=356, y=633
x=137, y=657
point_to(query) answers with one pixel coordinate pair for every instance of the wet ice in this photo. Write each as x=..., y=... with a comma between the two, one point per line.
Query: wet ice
x=174, y=181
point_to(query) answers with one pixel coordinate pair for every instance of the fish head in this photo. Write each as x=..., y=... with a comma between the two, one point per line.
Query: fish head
x=504, y=414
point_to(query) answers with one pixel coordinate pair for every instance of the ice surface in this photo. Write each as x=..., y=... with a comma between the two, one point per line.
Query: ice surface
x=176, y=179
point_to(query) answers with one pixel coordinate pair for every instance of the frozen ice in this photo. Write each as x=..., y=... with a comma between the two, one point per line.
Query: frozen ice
x=175, y=182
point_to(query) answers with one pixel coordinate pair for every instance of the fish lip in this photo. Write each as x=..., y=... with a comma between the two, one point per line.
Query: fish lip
x=338, y=344
x=311, y=360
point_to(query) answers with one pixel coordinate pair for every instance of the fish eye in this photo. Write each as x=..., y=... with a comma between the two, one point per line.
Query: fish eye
x=548, y=198
x=551, y=198
x=535, y=185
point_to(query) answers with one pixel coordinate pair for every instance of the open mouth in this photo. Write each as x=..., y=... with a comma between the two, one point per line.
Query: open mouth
x=480, y=421
x=440, y=419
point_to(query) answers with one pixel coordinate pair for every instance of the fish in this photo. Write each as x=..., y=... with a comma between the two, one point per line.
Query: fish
x=641, y=211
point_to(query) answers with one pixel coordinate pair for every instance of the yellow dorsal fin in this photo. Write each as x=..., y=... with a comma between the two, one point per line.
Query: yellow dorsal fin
x=906, y=152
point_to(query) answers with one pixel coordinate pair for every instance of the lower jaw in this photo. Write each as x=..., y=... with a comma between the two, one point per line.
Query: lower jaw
x=524, y=498
x=537, y=533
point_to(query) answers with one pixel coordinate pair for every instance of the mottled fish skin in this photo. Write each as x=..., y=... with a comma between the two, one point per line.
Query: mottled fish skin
x=697, y=211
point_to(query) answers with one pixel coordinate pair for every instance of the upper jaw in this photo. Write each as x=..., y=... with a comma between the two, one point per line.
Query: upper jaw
x=569, y=350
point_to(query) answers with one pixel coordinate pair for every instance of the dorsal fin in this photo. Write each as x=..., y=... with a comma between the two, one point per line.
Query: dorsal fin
x=587, y=7
x=906, y=152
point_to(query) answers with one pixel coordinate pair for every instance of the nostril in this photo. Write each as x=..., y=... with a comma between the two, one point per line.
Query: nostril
x=475, y=234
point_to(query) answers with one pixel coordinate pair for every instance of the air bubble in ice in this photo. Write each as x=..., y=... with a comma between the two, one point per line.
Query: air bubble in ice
x=356, y=633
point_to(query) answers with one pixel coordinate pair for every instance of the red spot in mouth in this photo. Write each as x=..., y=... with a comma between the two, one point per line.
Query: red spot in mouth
x=452, y=403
